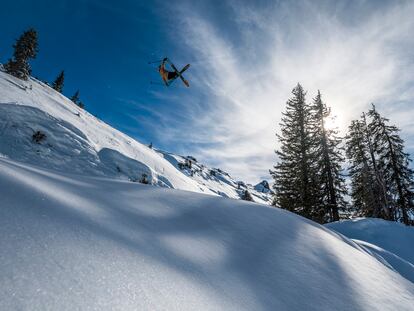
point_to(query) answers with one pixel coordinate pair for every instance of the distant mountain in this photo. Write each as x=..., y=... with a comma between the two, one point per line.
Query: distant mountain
x=263, y=187
x=40, y=126
x=214, y=179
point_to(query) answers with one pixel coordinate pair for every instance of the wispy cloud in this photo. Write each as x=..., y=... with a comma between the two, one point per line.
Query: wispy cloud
x=247, y=58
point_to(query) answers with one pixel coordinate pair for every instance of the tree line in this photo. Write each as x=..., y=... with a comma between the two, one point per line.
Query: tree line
x=26, y=48
x=309, y=177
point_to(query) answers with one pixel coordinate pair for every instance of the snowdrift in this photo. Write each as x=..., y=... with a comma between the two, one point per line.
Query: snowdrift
x=78, y=142
x=72, y=242
x=391, y=242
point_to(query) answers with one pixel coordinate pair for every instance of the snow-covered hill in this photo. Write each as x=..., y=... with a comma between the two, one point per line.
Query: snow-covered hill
x=391, y=242
x=217, y=180
x=78, y=142
x=71, y=242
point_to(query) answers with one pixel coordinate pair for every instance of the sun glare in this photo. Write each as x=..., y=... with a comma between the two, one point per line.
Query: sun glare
x=332, y=123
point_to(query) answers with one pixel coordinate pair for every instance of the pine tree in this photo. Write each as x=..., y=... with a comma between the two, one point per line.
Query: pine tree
x=58, y=84
x=383, y=209
x=75, y=97
x=394, y=165
x=295, y=183
x=329, y=159
x=25, y=48
x=367, y=187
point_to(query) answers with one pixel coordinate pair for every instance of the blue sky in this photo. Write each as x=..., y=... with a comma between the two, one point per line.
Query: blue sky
x=246, y=56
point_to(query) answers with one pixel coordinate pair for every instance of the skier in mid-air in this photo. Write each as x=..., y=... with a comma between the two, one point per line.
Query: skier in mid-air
x=169, y=76
x=165, y=74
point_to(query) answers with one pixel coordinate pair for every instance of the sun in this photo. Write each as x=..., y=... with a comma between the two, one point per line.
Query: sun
x=332, y=123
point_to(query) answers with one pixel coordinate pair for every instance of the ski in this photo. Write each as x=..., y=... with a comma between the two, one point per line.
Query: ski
x=185, y=68
x=179, y=73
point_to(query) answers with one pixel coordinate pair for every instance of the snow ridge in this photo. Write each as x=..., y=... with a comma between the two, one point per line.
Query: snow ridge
x=388, y=241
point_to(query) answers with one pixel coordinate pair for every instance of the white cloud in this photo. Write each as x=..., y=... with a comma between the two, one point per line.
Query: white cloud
x=240, y=86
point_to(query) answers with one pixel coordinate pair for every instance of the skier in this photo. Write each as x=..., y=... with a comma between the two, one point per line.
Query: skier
x=165, y=74
x=169, y=76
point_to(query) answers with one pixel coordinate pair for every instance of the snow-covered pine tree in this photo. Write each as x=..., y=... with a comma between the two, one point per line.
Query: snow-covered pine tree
x=75, y=97
x=394, y=165
x=366, y=188
x=58, y=83
x=25, y=48
x=329, y=164
x=295, y=183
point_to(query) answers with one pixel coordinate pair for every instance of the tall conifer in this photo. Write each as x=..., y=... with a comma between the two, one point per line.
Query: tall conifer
x=75, y=97
x=59, y=82
x=295, y=183
x=364, y=185
x=26, y=48
x=394, y=165
x=329, y=159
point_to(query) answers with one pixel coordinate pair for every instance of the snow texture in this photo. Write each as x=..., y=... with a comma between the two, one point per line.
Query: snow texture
x=391, y=242
x=71, y=242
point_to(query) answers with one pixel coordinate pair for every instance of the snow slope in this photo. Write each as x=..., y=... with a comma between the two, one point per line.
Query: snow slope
x=216, y=180
x=391, y=242
x=71, y=242
x=78, y=142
